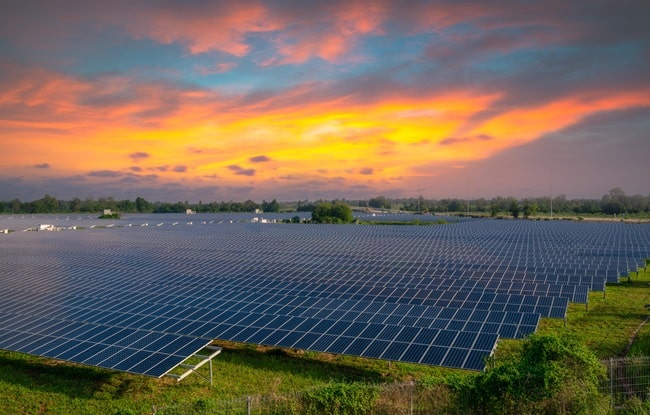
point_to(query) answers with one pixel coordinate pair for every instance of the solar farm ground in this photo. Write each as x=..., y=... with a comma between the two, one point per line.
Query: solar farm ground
x=135, y=298
x=142, y=299
x=31, y=384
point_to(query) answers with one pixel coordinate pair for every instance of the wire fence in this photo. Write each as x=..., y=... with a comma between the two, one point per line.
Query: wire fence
x=389, y=399
x=628, y=379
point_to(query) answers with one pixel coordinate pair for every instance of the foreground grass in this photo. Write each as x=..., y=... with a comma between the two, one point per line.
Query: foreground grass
x=32, y=385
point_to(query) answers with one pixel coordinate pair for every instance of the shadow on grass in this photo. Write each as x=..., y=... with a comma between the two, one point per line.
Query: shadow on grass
x=53, y=376
x=312, y=365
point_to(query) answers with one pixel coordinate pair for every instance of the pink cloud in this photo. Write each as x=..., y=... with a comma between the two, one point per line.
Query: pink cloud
x=204, y=28
x=330, y=39
x=216, y=69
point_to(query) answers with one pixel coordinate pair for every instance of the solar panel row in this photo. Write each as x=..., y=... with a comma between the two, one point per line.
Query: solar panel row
x=438, y=295
x=131, y=350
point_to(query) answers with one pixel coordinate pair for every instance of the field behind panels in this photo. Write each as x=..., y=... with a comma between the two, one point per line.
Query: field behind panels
x=143, y=298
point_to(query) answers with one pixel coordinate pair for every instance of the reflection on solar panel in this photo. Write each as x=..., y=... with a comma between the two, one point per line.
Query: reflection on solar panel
x=142, y=299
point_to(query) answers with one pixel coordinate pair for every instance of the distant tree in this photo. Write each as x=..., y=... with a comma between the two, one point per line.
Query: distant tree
x=336, y=212
x=614, y=202
x=514, y=208
x=15, y=205
x=75, y=205
x=494, y=209
x=529, y=208
x=560, y=204
x=455, y=205
x=379, y=202
x=106, y=203
x=482, y=205
x=141, y=205
x=272, y=206
x=250, y=206
x=126, y=205
x=305, y=206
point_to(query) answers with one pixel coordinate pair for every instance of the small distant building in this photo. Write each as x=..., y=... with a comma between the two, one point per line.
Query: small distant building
x=108, y=212
x=190, y=212
x=46, y=227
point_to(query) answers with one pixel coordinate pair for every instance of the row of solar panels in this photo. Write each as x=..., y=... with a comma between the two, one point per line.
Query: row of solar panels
x=546, y=306
x=127, y=349
x=446, y=266
x=205, y=311
x=281, y=285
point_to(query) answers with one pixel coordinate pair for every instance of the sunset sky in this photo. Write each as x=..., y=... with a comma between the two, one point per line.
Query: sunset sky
x=295, y=100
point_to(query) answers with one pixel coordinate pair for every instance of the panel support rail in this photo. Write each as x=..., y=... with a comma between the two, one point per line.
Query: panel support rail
x=194, y=368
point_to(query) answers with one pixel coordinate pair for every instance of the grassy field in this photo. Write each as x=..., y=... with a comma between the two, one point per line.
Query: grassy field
x=31, y=385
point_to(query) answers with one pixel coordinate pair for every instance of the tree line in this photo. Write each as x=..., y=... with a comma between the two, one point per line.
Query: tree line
x=50, y=204
x=615, y=202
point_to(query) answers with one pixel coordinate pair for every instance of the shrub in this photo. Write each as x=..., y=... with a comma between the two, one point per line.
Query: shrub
x=554, y=374
x=340, y=399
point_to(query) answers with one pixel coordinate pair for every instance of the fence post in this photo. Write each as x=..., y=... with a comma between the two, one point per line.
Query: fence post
x=412, y=389
x=611, y=381
x=248, y=405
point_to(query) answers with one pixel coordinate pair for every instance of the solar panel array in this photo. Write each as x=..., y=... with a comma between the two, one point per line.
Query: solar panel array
x=143, y=298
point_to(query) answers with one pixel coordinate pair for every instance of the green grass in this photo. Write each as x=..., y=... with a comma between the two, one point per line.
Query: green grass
x=607, y=323
x=30, y=385
x=33, y=385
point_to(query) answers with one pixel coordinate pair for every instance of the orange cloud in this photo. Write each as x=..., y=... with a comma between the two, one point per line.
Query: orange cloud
x=521, y=126
x=97, y=129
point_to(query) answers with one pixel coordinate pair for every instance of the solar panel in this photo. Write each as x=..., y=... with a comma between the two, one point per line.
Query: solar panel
x=142, y=299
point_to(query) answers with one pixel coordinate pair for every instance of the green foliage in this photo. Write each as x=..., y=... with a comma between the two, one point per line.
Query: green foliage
x=635, y=407
x=272, y=206
x=336, y=212
x=553, y=374
x=142, y=206
x=529, y=209
x=615, y=202
x=114, y=215
x=340, y=399
x=494, y=209
x=379, y=202
x=514, y=208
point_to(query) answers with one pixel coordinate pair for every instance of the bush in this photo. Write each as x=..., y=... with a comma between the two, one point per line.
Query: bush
x=332, y=213
x=554, y=375
x=340, y=399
